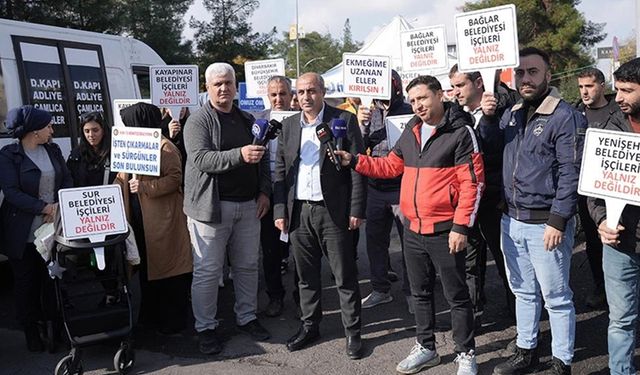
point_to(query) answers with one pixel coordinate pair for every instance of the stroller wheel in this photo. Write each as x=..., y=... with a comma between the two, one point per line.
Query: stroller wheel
x=69, y=366
x=124, y=359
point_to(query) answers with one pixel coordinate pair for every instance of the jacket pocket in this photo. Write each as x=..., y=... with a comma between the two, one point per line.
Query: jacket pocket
x=453, y=196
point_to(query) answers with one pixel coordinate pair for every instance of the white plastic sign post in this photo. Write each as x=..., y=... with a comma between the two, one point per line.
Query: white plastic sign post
x=366, y=77
x=136, y=150
x=395, y=126
x=424, y=49
x=174, y=86
x=611, y=170
x=487, y=40
x=92, y=212
x=120, y=104
x=257, y=74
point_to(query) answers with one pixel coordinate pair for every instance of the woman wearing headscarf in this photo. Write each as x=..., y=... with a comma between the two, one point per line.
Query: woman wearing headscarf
x=32, y=171
x=154, y=210
x=89, y=161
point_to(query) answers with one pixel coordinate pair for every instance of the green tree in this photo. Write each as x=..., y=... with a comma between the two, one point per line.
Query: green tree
x=318, y=53
x=627, y=49
x=158, y=23
x=348, y=45
x=229, y=36
x=555, y=26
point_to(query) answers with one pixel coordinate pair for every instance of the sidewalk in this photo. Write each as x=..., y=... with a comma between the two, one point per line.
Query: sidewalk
x=388, y=333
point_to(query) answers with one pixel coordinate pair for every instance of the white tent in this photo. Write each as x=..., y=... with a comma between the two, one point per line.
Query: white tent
x=383, y=42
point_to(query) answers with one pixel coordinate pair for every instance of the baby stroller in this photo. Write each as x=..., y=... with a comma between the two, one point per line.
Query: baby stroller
x=95, y=304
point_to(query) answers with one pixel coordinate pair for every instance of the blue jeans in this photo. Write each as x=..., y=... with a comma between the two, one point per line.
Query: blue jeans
x=621, y=282
x=534, y=272
x=238, y=235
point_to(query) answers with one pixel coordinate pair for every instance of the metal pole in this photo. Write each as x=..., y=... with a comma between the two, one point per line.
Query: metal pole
x=298, y=44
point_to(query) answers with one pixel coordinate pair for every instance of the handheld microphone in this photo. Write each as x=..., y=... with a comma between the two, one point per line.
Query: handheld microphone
x=339, y=129
x=259, y=129
x=326, y=136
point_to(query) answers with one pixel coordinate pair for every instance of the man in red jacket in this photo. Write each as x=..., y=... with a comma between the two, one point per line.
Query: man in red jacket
x=442, y=181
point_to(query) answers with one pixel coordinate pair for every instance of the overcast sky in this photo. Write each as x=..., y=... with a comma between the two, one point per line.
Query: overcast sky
x=368, y=15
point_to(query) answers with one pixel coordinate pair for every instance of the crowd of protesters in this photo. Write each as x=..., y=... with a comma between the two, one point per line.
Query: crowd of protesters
x=490, y=168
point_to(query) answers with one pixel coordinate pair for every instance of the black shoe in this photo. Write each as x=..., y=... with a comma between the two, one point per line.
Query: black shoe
x=274, y=308
x=511, y=347
x=34, y=341
x=522, y=361
x=559, y=368
x=255, y=330
x=304, y=337
x=209, y=342
x=354, y=347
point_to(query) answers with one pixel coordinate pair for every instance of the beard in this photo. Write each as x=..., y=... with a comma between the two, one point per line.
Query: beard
x=631, y=109
x=537, y=93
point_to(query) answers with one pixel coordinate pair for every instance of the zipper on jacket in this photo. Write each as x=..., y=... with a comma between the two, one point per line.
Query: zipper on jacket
x=415, y=194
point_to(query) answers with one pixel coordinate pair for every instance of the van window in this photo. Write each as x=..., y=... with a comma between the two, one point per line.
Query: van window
x=141, y=73
x=64, y=78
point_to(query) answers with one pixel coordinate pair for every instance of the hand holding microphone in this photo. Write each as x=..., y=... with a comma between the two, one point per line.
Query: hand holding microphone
x=252, y=153
x=325, y=135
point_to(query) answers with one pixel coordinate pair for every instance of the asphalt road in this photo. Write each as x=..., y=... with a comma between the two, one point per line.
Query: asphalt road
x=388, y=333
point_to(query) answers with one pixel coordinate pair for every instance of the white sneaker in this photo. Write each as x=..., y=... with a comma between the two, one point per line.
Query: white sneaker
x=375, y=299
x=418, y=359
x=466, y=363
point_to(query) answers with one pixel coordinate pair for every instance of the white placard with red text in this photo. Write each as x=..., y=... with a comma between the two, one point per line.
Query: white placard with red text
x=257, y=74
x=174, y=85
x=92, y=212
x=424, y=49
x=366, y=76
x=120, y=104
x=487, y=39
x=611, y=170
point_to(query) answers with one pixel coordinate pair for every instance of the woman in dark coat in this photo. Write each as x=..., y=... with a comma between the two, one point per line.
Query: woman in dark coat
x=31, y=173
x=89, y=161
x=154, y=210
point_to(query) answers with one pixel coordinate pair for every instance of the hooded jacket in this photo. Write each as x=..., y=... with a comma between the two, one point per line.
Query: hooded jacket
x=442, y=182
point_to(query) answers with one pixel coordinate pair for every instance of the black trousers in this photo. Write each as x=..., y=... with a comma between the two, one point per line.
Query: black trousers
x=485, y=234
x=313, y=234
x=423, y=255
x=273, y=251
x=33, y=289
x=593, y=243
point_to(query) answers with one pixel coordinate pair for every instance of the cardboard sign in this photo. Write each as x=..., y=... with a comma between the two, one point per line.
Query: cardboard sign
x=257, y=74
x=424, y=49
x=92, y=212
x=487, y=39
x=611, y=170
x=366, y=76
x=136, y=150
x=120, y=104
x=174, y=85
x=395, y=126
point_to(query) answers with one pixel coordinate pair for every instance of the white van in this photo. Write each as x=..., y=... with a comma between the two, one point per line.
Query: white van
x=69, y=72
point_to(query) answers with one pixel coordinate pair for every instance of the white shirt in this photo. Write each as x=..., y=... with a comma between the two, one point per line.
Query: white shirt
x=476, y=113
x=308, y=182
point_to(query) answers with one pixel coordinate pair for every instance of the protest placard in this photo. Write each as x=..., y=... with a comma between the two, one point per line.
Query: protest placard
x=395, y=126
x=257, y=74
x=424, y=49
x=120, y=104
x=246, y=103
x=611, y=170
x=367, y=77
x=136, y=150
x=174, y=85
x=92, y=211
x=487, y=40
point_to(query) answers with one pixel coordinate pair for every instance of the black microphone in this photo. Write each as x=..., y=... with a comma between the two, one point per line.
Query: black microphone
x=339, y=129
x=326, y=136
x=259, y=129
